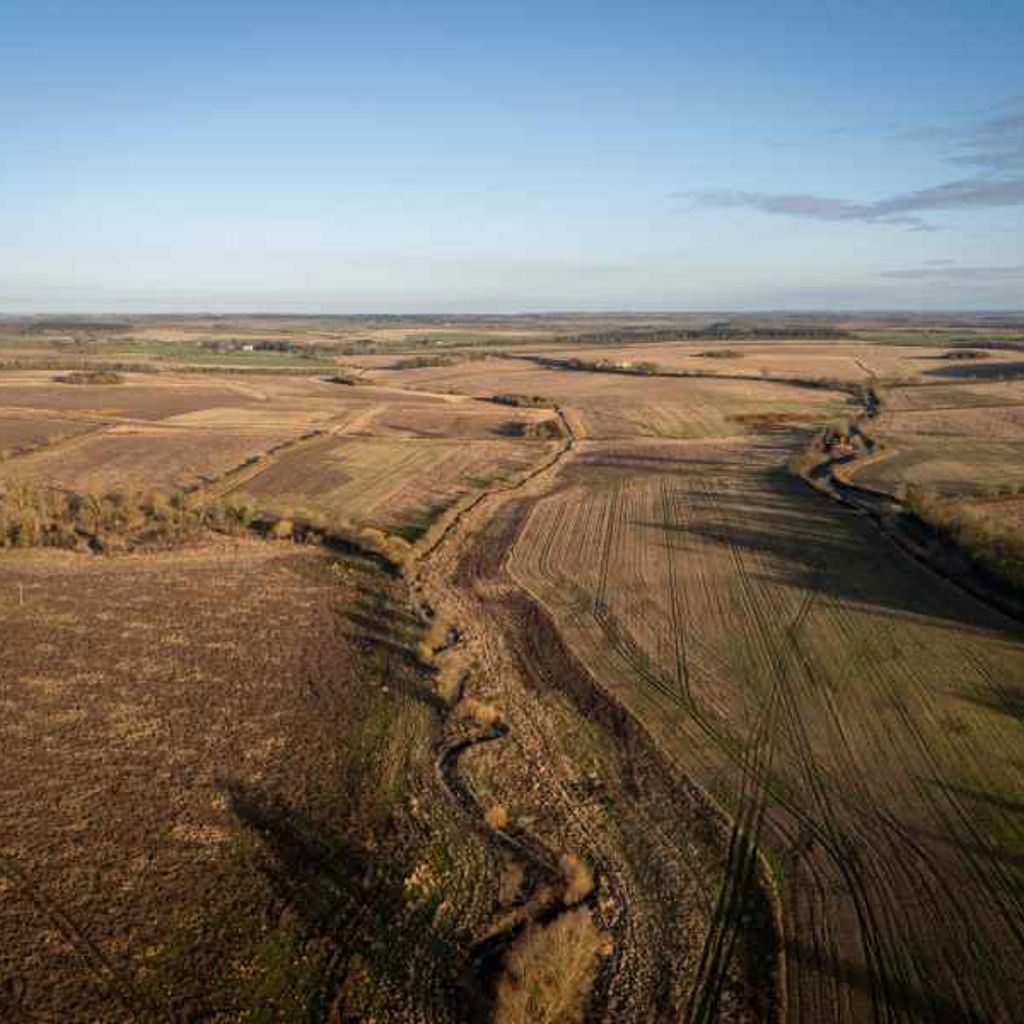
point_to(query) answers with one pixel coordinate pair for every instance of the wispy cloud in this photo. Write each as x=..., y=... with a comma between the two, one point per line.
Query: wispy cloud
x=956, y=273
x=903, y=208
x=992, y=147
x=993, y=144
x=797, y=204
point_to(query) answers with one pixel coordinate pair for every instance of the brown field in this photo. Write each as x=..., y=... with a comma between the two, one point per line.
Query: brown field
x=581, y=711
x=778, y=650
x=955, y=397
x=607, y=406
x=139, y=458
x=395, y=483
x=1007, y=510
x=184, y=736
x=23, y=433
x=138, y=398
x=949, y=438
x=826, y=360
x=947, y=465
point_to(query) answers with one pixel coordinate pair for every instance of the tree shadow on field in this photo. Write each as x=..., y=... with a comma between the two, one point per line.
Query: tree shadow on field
x=982, y=371
x=337, y=893
x=803, y=539
x=902, y=1001
x=1003, y=698
x=995, y=801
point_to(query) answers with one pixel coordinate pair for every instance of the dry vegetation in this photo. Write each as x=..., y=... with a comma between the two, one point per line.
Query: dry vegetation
x=549, y=972
x=401, y=485
x=762, y=637
x=577, y=707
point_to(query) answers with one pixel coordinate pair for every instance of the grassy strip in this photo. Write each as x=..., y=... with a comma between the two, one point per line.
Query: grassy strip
x=994, y=547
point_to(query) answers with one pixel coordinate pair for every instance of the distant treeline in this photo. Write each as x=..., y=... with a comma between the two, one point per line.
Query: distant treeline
x=71, y=325
x=722, y=331
x=222, y=345
x=992, y=344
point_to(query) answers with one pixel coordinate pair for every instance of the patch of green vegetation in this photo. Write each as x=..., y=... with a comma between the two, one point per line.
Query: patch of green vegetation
x=197, y=354
x=482, y=481
x=416, y=527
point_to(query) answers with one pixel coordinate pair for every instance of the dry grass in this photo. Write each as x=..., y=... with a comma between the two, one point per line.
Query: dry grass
x=578, y=877
x=485, y=715
x=497, y=817
x=995, y=545
x=550, y=971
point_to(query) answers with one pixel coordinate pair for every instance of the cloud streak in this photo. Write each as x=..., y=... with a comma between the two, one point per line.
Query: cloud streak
x=992, y=148
x=902, y=209
x=955, y=273
x=991, y=145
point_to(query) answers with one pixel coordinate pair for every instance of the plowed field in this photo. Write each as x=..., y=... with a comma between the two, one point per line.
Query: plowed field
x=854, y=713
x=399, y=484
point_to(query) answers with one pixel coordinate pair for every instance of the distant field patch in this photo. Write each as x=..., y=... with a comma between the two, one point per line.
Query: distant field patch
x=141, y=458
x=607, y=406
x=946, y=465
x=396, y=484
x=23, y=433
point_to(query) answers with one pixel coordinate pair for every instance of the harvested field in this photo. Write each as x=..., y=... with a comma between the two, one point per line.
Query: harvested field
x=801, y=672
x=398, y=484
x=1008, y=510
x=951, y=438
x=982, y=422
x=136, y=458
x=824, y=360
x=206, y=769
x=24, y=433
x=845, y=361
x=607, y=406
x=949, y=465
x=635, y=727
x=454, y=419
x=147, y=398
x=954, y=397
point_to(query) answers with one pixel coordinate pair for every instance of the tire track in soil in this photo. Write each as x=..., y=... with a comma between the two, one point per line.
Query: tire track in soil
x=479, y=569
x=743, y=855
x=107, y=974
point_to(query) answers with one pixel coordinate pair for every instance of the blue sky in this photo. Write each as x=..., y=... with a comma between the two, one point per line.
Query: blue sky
x=481, y=157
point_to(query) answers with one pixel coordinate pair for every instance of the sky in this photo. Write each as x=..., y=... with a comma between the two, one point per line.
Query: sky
x=488, y=157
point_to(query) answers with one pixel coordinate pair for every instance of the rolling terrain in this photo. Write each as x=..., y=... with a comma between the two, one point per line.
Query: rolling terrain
x=523, y=682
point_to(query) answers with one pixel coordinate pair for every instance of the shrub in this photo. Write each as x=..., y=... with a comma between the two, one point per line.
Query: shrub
x=579, y=879
x=282, y=529
x=484, y=715
x=549, y=972
x=90, y=377
x=36, y=516
x=497, y=817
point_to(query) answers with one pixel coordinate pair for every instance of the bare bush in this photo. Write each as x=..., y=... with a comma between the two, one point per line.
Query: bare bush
x=497, y=817
x=579, y=879
x=550, y=971
x=484, y=715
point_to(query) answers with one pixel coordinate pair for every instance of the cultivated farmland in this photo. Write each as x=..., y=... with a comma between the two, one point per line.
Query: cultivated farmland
x=852, y=711
x=610, y=405
x=399, y=484
x=475, y=671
